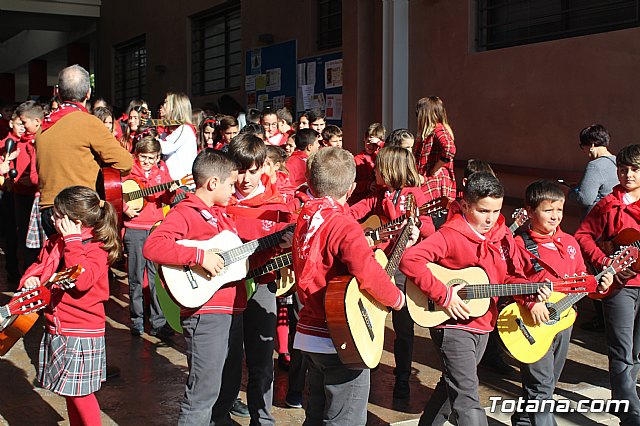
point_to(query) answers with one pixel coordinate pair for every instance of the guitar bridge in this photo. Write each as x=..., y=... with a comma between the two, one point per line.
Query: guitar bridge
x=525, y=331
x=366, y=318
x=189, y=273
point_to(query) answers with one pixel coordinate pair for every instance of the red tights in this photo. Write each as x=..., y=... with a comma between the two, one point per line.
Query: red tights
x=83, y=410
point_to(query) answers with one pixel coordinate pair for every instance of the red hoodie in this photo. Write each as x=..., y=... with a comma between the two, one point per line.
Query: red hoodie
x=286, y=189
x=380, y=203
x=297, y=166
x=365, y=176
x=456, y=246
x=152, y=211
x=78, y=311
x=187, y=221
x=251, y=228
x=605, y=220
x=328, y=243
x=26, y=183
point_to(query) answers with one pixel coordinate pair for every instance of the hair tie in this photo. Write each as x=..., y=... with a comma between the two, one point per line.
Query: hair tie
x=101, y=203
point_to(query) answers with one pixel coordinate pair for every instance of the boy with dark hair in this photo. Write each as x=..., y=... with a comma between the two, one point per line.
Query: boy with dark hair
x=285, y=121
x=259, y=210
x=332, y=136
x=617, y=212
x=213, y=332
x=475, y=237
x=328, y=243
x=307, y=142
x=544, y=240
x=366, y=160
x=148, y=170
x=316, y=120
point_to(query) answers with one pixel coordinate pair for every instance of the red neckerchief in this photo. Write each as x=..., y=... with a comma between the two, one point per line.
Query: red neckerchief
x=64, y=109
x=276, y=139
x=615, y=204
x=556, y=239
x=28, y=137
x=310, y=236
x=269, y=196
x=52, y=262
x=219, y=145
x=490, y=245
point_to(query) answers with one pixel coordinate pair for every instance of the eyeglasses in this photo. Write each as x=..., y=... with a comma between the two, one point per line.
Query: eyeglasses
x=140, y=109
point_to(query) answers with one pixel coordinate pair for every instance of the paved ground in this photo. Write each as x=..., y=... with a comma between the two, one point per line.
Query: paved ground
x=153, y=374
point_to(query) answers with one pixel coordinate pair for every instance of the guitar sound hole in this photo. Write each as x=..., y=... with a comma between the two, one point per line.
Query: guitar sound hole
x=554, y=315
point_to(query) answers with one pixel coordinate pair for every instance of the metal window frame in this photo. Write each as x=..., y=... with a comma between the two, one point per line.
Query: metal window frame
x=486, y=39
x=123, y=64
x=329, y=37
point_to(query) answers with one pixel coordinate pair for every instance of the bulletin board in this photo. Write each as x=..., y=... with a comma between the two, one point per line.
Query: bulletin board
x=270, y=76
x=320, y=86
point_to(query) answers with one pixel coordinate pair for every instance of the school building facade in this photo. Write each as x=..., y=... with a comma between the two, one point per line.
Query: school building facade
x=519, y=79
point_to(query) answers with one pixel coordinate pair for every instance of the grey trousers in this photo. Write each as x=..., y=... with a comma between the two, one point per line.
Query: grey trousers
x=338, y=396
x=455, y=397
x=214, y=356
x=260, y=319
x=133, y=242
x=622, y=323
x=540, y=379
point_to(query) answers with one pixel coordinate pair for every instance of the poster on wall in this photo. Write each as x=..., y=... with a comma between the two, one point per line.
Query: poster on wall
x=334, y=107
x=256, y=61
x=333, y=74
x=271, y=75
x=273, y=80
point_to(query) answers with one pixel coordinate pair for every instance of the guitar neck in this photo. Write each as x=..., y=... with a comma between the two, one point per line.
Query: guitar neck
x=144, y=192
x=4, y=313
x=274, y=264
x=154, y=122
x=398, y=249
x=572, y=299
x=247, y=249
x=514, y=227
x=483, y=291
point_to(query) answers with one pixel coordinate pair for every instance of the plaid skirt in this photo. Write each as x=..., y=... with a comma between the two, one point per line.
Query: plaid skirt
x=72, y=366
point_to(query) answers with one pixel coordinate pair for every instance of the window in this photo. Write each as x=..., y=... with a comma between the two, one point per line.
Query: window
x=130, y=71
x=216, y=51
x=503, y=23
x=329, y=24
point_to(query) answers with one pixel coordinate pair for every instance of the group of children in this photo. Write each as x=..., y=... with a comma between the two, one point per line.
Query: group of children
x=243, y=186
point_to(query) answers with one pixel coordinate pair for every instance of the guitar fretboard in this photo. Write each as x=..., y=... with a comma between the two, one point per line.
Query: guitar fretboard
x=274, y=264
x=144, y=192
x=154, y=122
x=430, y=209
x=247, y=249
x=571, y=299
x=483, y=291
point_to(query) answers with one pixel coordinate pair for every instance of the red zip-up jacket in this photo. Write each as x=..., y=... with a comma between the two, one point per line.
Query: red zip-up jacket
x=250, y=228
x=456, y=246
x=365, y=176
x=297, y=166
x=26, y=183
x=346, y=252
x=152, y=211
x=605, y=220
x=78, y=311
x=185, y=221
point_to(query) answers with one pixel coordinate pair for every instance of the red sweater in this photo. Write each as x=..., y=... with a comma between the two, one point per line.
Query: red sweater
x=456, y=246
x=297, y=166
x=185, y=221
x=152, y=211
x=560, y=252
x=365, y=176
x=286, y=189
x=345, y=252
x=380, y=203
x=605, y=220
x=26, y=183
x=251, y=228
x=78, y=311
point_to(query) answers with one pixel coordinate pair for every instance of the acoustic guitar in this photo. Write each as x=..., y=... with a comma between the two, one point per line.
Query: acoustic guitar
x=155, y=122
x=356, y=320
x=284, y=286
x=628, y=237
x=134, y=192
x=193, y=286
x=378, y=228
x=478, y=292
x=527, y=341
x=19, y=315
x=109, y=187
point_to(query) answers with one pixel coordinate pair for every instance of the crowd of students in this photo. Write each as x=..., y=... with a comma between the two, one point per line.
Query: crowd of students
x=257, y=173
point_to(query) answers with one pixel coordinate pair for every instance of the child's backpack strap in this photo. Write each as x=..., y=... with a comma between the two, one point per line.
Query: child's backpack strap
x=532, y=247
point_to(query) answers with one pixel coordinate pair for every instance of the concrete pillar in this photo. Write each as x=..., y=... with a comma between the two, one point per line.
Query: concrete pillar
x=8, y=86
x=38, y=78
x=395, y=63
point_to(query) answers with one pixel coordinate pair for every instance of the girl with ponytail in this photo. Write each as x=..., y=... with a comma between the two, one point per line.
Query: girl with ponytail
x=72, y=360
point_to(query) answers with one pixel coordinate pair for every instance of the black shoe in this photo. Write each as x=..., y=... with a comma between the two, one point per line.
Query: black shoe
x=401, y=389
x=112, y=371
x=137, y=331
x=240, y=409
x=596, y=325
x=293, y=400
x=163, y=332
